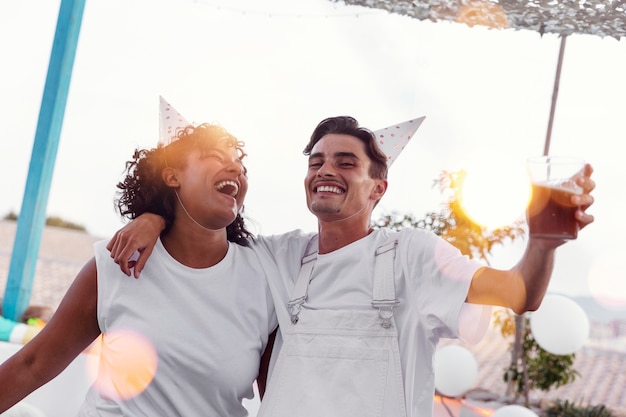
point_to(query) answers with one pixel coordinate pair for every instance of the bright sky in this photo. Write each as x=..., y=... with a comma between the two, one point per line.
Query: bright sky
x=270, y=71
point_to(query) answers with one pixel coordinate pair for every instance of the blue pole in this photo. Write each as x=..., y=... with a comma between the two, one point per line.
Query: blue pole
x=32, y=216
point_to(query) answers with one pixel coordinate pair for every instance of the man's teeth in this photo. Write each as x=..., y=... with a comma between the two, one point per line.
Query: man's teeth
x=329, y=189
x=228, y=187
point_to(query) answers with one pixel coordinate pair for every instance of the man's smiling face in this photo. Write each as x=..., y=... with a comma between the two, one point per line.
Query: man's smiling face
x=338, y=183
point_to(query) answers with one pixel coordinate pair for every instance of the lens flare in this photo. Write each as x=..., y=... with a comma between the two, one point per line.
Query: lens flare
x=494, y=193
x=122, y=364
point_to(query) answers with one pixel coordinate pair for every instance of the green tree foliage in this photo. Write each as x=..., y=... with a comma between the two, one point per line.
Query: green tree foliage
x=52, y=221
x=452, y=224
x=11, y=216
x=534, y=368
x=569, y=409
x=59, y=222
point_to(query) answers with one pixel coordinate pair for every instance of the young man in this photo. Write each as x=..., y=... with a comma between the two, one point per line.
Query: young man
x=360, y=310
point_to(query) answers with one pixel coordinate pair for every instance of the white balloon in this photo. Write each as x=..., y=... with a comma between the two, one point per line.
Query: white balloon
x=560, y=326
x=514, y=411
x=456, y=370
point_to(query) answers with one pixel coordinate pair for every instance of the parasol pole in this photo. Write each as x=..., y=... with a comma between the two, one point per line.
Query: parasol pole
x=555, y=93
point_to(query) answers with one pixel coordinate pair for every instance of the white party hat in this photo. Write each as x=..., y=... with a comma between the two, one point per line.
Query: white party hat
x=170, y=121
x=392, y=140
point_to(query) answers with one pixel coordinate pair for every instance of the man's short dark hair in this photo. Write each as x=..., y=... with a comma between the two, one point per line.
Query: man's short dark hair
x=347, y=125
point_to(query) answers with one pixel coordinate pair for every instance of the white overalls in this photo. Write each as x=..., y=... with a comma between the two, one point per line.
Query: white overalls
x=339, y=362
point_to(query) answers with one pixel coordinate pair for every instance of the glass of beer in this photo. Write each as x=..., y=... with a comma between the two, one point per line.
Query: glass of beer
x=550, y=212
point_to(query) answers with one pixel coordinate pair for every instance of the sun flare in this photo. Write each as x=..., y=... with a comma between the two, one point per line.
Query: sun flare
x=495, y=190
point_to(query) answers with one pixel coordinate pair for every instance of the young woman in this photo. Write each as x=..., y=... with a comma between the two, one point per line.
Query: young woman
x=188, y=339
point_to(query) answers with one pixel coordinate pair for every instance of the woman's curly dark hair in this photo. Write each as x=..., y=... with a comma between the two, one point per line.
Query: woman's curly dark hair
x=143, y=189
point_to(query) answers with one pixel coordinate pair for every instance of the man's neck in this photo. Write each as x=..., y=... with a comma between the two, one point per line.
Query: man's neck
x=336, y=235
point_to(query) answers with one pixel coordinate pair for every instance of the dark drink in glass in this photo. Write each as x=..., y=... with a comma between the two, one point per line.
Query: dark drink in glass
x=551, y=213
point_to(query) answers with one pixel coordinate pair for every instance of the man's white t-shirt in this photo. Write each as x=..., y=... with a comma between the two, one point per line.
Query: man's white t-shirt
x=432, y=279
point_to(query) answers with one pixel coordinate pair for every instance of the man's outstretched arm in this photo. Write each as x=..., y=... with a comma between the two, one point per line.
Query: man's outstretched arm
x=523, y=287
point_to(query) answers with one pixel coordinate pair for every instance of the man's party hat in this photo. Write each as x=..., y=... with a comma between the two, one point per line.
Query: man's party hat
x=392, y=140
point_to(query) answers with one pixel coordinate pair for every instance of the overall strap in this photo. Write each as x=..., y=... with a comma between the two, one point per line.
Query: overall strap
x=300, y=290
x=384, y=298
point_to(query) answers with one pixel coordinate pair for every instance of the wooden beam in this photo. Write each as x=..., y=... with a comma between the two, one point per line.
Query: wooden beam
x=32, y=216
